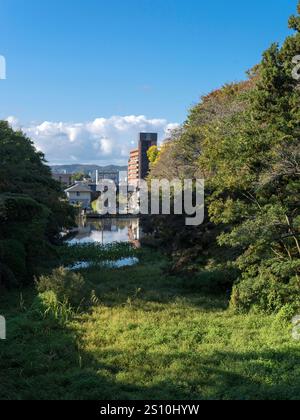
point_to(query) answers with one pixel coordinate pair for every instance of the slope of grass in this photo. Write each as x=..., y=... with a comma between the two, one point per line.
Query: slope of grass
x=150, y=336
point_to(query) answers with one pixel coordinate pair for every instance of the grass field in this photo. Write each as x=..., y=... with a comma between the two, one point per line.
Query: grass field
x=150, y=336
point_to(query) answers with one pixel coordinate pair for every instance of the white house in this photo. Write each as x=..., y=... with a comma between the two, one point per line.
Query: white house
x=80, y=194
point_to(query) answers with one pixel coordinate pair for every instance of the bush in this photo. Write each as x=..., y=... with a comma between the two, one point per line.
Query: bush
x=48, y=305
x=68, y=286
x=7, y=278
x=213, y=280
x=287, y=313
x=265, y=292
x=13, y=254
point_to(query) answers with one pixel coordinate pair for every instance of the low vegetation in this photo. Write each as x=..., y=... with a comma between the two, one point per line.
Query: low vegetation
x=94, y=252
x=145, y=335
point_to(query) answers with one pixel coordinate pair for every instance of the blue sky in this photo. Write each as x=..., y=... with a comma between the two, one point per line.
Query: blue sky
x=74, y=61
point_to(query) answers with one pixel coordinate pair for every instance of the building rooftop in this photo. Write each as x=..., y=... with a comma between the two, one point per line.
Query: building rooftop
x=79, y=188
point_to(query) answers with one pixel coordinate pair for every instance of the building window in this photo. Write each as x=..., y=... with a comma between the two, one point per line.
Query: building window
x=78, y=194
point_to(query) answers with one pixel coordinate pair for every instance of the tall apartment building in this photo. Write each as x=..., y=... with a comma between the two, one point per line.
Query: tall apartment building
x=138, y=165
x=146, y=141
x=133, y=167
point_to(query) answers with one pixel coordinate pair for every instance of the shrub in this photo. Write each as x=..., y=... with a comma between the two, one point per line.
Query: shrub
x=13, y=254
x=48, y=305
x=213, y=280
x=287, y=313
x=68, y=286
x=266, y=292
x=7, y=278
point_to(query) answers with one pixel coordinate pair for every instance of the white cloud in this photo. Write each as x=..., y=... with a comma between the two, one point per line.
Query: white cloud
x=103, y=141
x=13, y=121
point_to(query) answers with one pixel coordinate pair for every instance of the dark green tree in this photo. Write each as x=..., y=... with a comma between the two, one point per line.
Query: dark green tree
x=244, y=140
x=33, y=210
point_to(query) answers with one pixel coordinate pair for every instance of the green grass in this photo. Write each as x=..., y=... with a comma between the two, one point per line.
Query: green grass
x=151, y=336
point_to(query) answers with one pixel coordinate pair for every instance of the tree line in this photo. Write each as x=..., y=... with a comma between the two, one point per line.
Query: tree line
x=243, y=139
x=33, y=209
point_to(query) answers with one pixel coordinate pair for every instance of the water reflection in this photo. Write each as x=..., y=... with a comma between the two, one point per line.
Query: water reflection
x=122, y=262
x=106, y=231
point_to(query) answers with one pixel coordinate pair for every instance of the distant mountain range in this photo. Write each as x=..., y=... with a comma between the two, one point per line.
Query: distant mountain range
x=86, y=169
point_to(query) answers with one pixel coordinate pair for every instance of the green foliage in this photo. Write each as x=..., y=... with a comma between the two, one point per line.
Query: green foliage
x=13, y=253
x=214, y=281
x=32, y=209
x=94, y=206
x=95, y=252
x=48, y=305
x=153, y=154
x=244, y=140
x=266, y=290
x=153, y=337
x=67, y=286
x=78, y=176
x=70, y=287
x=7, y=278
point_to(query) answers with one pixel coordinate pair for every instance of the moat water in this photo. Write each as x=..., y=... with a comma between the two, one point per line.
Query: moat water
x=107, y=231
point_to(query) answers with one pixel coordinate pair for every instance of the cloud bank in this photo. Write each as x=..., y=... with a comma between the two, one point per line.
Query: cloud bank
x=102, y=141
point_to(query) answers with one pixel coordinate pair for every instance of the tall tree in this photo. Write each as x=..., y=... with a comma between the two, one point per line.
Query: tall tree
x=244, y=140
x=32, y=207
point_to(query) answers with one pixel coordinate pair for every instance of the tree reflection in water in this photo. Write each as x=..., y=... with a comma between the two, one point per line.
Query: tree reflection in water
x=106, y=231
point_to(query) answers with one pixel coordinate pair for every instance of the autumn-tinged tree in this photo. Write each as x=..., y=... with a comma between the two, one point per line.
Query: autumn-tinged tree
x=244, y=140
